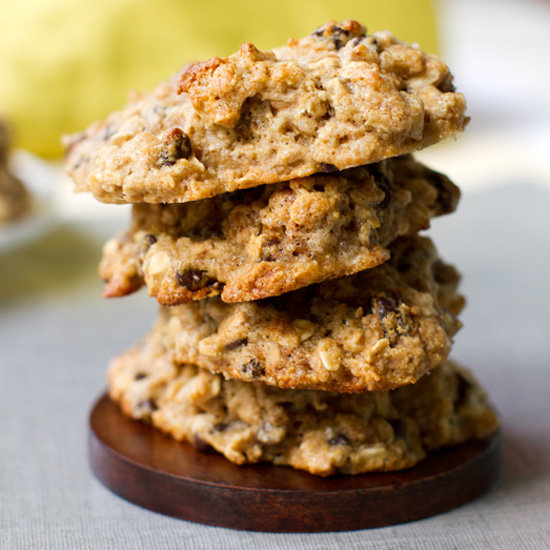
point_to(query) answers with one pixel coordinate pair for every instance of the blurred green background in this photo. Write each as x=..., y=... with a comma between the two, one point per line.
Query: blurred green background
x=66, y=63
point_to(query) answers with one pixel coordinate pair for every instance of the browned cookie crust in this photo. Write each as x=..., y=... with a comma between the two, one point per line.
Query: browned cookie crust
x=333, y=100
x=321, y=432
x=379, y=329
x=265, y=241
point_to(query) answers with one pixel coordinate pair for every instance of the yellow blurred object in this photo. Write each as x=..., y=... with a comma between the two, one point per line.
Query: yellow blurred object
x=66, y=63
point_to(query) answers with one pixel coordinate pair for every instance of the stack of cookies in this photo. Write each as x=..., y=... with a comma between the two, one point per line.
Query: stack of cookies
x=276, y=211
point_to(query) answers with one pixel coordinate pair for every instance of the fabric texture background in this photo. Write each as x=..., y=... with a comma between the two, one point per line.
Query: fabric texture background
x=57, y=335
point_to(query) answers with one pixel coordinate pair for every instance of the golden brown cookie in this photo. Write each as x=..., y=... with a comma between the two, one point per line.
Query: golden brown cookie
x=376, y=330
x=265, y=241
x=321, y=432
x=336, y=99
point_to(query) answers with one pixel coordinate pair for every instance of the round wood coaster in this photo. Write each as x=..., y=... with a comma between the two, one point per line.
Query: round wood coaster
x=145, y=467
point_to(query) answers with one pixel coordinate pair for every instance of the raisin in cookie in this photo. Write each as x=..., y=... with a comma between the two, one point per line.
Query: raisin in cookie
x=336, y=99
x=321, y=432
x=376, y=330
x=262, y=242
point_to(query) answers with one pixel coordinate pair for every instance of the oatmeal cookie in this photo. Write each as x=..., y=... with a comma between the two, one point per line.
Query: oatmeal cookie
x=15, y=200
x=376, y=330
x=336, y=99
x=14, y=197
x=321, y=432
x=262, y=242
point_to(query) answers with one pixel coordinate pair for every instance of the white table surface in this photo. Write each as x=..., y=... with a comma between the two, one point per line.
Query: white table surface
x=57, y=335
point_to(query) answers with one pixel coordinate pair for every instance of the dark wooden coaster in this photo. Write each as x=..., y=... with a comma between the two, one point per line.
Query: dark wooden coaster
x=145, y=467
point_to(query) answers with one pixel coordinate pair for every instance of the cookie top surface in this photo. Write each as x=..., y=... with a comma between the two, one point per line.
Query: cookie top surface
x=321, y=432
x=376, y=330
x=335, y=99
x=271, y=239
